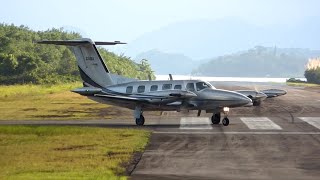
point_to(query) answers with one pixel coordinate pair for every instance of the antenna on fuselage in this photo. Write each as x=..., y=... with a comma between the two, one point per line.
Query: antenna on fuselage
x=170, y=77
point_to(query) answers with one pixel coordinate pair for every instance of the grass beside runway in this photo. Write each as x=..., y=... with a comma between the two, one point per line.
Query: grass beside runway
x=50, y=102
x=302, y=84
x=51, y=152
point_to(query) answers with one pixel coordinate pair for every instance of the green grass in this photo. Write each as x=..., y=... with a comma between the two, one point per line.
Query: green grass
x=50, y=152
x=302, y=84
x=34, y=90
x=50, y=102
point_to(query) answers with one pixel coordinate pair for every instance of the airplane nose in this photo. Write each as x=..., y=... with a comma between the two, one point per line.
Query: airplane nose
x=238, y=99
x=261, y=95
x=226, y=98
x=242, y=99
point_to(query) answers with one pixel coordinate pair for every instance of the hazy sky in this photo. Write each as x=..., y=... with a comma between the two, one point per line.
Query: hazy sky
x=126, y=20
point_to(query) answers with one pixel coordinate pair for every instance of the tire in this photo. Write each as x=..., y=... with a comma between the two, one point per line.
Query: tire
x=225, y=121
x=256, y=103
x=140, y=121
x=215, y=119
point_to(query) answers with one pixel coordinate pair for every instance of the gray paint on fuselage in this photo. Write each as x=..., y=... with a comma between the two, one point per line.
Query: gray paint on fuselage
x=121, y=88
x=206, y=99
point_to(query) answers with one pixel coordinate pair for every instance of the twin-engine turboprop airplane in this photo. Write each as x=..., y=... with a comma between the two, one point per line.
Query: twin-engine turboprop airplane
x=171, y=95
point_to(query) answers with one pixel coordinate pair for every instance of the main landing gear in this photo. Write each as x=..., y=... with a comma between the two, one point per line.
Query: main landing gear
x=215, y=119
x=140, y=120
x=139, y=116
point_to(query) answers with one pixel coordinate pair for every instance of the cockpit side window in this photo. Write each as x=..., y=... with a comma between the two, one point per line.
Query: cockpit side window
x=178, y=86
x=202, y=85
x=129, y=89
x=190, y=87
x=154, y=88
x=166, y=86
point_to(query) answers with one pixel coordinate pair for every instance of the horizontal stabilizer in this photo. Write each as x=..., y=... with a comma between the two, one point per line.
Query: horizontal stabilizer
x=79, y=42
x=87, y=91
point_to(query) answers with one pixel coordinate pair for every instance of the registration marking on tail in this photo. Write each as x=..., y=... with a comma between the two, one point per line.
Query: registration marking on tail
x=314, y=121
x=195, y=123
x=262, y=123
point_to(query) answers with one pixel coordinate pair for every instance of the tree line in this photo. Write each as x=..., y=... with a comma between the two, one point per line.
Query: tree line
x=259, y=61
x=313, y=75
x=22, y=61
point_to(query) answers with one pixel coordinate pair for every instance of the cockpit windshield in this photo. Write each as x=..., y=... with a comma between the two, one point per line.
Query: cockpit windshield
x=203, y=85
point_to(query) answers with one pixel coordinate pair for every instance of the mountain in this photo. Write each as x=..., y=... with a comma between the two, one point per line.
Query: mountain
x=259, y=62
x=200, y=39
x=165, y=63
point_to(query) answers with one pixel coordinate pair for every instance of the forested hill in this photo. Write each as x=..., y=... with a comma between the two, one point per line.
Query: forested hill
x=166, y=63
x=259, y=62
x=22, y=61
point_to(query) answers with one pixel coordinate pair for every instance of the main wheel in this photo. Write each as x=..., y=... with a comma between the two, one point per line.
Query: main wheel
x=215, y=119
x=140, y=121
x=256, y=103
x=225, y=121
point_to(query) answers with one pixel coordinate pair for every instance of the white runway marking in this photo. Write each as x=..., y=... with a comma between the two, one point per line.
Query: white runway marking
x=195, y=123
x=263, y=123
x=314, y=121
x=299, y=95
x=238, y=132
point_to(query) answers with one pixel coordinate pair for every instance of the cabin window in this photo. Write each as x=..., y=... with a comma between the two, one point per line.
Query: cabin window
x=154, y=88
x=166, y=86
x=178, y=87
x=129, y=89
x=190, y=87
x=141, y=89
x=201, y=85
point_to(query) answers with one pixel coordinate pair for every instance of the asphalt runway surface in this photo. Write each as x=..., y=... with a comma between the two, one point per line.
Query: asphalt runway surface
x=279, y=140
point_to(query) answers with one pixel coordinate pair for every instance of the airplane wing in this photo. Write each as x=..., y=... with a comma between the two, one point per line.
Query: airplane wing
x=124, y=98
x=150, y=100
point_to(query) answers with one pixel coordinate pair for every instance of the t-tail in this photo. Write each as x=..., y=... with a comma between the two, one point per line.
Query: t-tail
x=93, y=70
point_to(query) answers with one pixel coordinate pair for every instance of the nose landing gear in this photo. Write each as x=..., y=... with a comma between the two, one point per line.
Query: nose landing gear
x=215, y=119
x=225, y=121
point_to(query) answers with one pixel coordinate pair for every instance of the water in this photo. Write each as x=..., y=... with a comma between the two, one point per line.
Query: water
x=226, y=79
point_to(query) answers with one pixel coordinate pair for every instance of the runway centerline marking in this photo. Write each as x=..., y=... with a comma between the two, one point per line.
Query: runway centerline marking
x=314, y=121
x=260, y=123
x=195, y=123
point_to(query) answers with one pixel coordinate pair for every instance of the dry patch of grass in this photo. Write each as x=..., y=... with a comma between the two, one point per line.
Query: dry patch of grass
x=302, y=84
x=56, y=102
x=50, y=152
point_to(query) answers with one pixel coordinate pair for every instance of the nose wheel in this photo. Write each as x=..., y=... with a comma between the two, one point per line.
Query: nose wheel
x=225, y=121
x=215, y=119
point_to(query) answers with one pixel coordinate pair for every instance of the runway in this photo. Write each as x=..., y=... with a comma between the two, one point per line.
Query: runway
x=181, y=149
x=279, y=140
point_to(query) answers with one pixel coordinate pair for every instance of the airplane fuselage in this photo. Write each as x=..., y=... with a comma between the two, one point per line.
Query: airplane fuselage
x=202, y=95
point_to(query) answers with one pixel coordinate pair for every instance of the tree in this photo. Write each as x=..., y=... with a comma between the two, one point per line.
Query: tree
x=8, y=64
x=22, y=61
x=313, y=75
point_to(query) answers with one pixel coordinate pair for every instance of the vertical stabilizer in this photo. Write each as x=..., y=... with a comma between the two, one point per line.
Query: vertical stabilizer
x=93, y=70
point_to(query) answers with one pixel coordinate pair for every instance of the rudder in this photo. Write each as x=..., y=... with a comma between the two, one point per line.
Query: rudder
x=93, y=70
